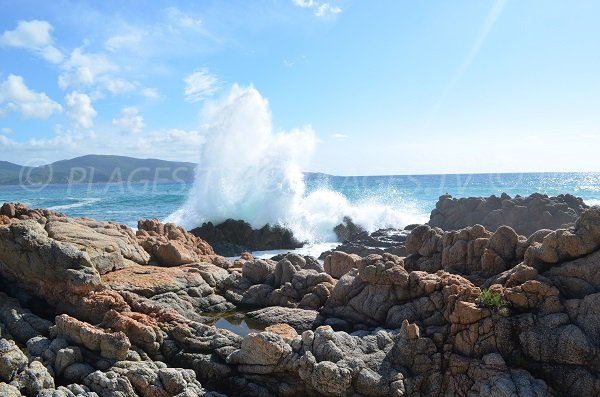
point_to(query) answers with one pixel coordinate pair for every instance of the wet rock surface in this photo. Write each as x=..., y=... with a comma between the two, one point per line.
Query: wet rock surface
x=380, y=241
x=233, y=237
x=124, y=323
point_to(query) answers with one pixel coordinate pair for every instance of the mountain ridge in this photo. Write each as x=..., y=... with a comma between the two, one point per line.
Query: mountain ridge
x=97, y=169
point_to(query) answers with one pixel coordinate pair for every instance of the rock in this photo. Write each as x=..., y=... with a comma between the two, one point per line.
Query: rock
x=21, y=323
x=17, y=211
x=258, y=270
x=47, y=267
x=284, y=330
x=170, y=245
x=37, y=345
x=347, y=229
x=339, y=263
x=264, y=349
x=293, y=282
x=566, y=244
x=472, y=250
x=299, y=319
x=525, y=215
x=7, y=390
x=110, y=246
x=393, y=326
x=77, y=372
x=379, y=242
x=67, y=357
x=12, y=360
x=110, y=345
x=34, y=379
x=109, y=383
x=232, y=237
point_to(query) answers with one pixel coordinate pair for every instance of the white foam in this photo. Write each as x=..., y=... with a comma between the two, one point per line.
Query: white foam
x=592, y=202
x=79, y=202
x=249, y=172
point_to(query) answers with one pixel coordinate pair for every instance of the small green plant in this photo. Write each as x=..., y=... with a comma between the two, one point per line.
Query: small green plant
x=491, y=299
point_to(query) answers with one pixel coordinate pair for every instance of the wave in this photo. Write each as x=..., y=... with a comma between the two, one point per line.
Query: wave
x=79, y=202
x=247, y=171
x=592, y=202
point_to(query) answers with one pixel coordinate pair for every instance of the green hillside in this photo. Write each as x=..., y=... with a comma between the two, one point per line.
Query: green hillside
x=98, y=169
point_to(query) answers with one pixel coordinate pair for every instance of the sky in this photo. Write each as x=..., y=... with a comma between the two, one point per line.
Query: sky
x=387, y=86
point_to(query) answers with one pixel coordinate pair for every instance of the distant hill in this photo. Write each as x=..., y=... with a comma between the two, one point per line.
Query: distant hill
x=98, y=169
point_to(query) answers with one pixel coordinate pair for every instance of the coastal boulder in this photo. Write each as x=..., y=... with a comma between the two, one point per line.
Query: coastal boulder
x=233, y=237
x=170, y=245
x=44, y=265
x=525, y=215
x=339, y=263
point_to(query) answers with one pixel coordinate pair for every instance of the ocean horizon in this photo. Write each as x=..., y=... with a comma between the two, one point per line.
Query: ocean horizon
x=372, y=201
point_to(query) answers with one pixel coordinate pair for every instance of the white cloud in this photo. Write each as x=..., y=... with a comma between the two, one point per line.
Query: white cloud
x=201, y=85
x=6, y=130
x=80, y=110
x=34, y=36
x=124, y=41
x=6, y=142
x=339, y=136
x=130, y=121
x=16, y=97
x=326, y=8
x=176, y=136
x=85, y=69
x=319, y=9
x=151, y=93
x=117, y=85
x=180, y=19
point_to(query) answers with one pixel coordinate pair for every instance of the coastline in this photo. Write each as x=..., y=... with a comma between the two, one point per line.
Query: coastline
x=121, y=310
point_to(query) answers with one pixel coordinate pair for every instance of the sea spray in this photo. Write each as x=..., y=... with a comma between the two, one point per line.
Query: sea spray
x=249, y=172
x=246, y=170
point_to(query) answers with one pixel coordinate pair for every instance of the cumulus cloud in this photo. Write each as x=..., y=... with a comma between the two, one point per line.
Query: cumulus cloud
x=15, y=96
x=34, y=36
x=129, y=121
x=80, y=110
x=118, y=85
x=85, y=69
x=201, y=85
x=318, y=8
x=168, y=144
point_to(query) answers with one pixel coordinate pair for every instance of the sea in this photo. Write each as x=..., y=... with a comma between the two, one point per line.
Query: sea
x=374, y=201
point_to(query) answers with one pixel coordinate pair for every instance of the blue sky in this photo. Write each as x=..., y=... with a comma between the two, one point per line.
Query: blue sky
x=388, y=87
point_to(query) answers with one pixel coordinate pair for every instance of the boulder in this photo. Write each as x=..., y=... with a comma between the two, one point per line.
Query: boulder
x=170, y=245
x=112, y=345
x=525, y=215
x=233, y=237
x=339, y=263
x=12, y=360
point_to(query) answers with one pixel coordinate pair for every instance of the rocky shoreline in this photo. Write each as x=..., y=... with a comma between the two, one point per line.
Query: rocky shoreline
x=495, y=296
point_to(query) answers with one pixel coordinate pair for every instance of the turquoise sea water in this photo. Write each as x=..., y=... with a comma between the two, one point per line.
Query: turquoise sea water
x=126, y=203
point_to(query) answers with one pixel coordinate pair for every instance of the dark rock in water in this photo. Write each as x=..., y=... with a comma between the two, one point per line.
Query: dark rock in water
x=378, y=242
x=525, y=215
x=347, y=229
x=233, y=237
